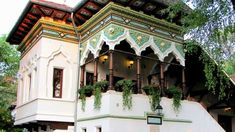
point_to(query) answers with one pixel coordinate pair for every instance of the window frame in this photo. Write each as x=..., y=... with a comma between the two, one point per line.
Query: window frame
x=61, y=82
x=29, y=83
x=89, y=81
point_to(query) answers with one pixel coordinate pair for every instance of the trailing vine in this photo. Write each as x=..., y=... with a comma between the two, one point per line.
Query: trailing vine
x=83, y=98
x=98, y=88
x=209, y=70
x=177, y=95
x=97, y=97
x=207, y=25
x=216, y=80
x=154, y=96
x=84, y=92
x=126, y=86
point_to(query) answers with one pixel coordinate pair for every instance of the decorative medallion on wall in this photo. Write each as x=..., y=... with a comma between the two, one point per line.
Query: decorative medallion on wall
x=112, y=32
x=180, y=48
x=94, y=40
x=163, y=45
x=139, y=38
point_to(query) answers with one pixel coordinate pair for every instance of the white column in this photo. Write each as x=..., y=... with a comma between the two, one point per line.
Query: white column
x=19, y=92
x=42, y=78
x=32, y=85
x=35, y=84
x=24, y=88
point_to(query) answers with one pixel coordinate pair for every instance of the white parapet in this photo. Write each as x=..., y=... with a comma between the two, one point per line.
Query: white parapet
x=112, y=117
x=45, y=110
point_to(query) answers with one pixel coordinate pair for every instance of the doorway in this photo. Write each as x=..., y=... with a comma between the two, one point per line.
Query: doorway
x=225, y=122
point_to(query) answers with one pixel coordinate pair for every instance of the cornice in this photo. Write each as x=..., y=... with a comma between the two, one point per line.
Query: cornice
x=50, y=29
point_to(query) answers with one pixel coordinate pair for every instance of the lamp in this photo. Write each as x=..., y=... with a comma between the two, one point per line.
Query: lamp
x=130, y=63
x=227, y=109
x=159, y=110
x=105, y=58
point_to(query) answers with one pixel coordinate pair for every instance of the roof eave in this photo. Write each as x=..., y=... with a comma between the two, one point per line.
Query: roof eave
x=25, y=11
x=45, y=4
x=79, y=5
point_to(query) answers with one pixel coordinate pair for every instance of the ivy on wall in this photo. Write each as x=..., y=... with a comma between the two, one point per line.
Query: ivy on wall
x=216, y=80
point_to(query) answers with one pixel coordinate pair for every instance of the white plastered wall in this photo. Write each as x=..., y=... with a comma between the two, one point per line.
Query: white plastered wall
x=38, y=102
x=192, y=117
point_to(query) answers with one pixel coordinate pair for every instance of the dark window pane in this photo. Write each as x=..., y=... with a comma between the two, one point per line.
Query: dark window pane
x=57, y=83
x=89, y=78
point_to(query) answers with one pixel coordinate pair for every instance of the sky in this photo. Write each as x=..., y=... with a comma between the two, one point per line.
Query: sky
x=10, y=11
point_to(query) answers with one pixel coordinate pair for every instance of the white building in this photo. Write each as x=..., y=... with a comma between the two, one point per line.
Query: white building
x=116, y=42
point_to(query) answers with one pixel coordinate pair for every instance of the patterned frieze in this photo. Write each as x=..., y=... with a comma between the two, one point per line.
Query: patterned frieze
x=129, y=18
x=113, y=34
x=50, y=29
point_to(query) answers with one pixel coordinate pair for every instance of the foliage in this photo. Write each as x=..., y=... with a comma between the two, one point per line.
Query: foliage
x=230, y=65
x=210, y=25
x=216, y=80
x=9, y=63
x=98, y=87
x=9, y=59
x=154, y=96
x=126, y=86
x=177, y=95
x=84, y=92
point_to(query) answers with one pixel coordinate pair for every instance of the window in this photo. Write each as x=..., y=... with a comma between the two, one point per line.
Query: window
x=57, y=82
x=29, y=86
x=98, y=129
x=89, y=78
x=83, y=129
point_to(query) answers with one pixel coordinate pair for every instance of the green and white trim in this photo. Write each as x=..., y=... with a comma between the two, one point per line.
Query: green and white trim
x=113, y=34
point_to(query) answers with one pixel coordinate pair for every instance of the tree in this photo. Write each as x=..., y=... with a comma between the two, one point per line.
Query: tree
x=230, y=65
x=211, y=26
x=9, y=63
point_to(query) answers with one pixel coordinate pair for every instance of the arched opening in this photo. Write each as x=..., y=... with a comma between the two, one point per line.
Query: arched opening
x=104, y=49
x=173, y=72
x=103, y=65
x=150, y=67
x=89, y=70
x=125, y=47
x=124, y=63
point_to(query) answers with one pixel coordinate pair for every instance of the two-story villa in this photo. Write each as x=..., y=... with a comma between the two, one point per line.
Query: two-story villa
x=64, y=50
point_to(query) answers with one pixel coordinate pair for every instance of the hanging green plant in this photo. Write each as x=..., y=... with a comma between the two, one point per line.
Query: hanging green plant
x=216, y=80
x=177, y=95
x=154, y=95
x=97, y=98
x=84, y=92
x=99, y=87
x=126, y=86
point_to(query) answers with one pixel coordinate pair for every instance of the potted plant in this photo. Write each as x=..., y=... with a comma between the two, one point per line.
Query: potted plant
x=154, y=95
x=103, y=85
x=85, y=91
x=127, y=87
x=147, y=89
x=99, y=87
x=176, y=95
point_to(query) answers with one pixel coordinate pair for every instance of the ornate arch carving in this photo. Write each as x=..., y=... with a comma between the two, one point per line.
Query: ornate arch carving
x=113, y=34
